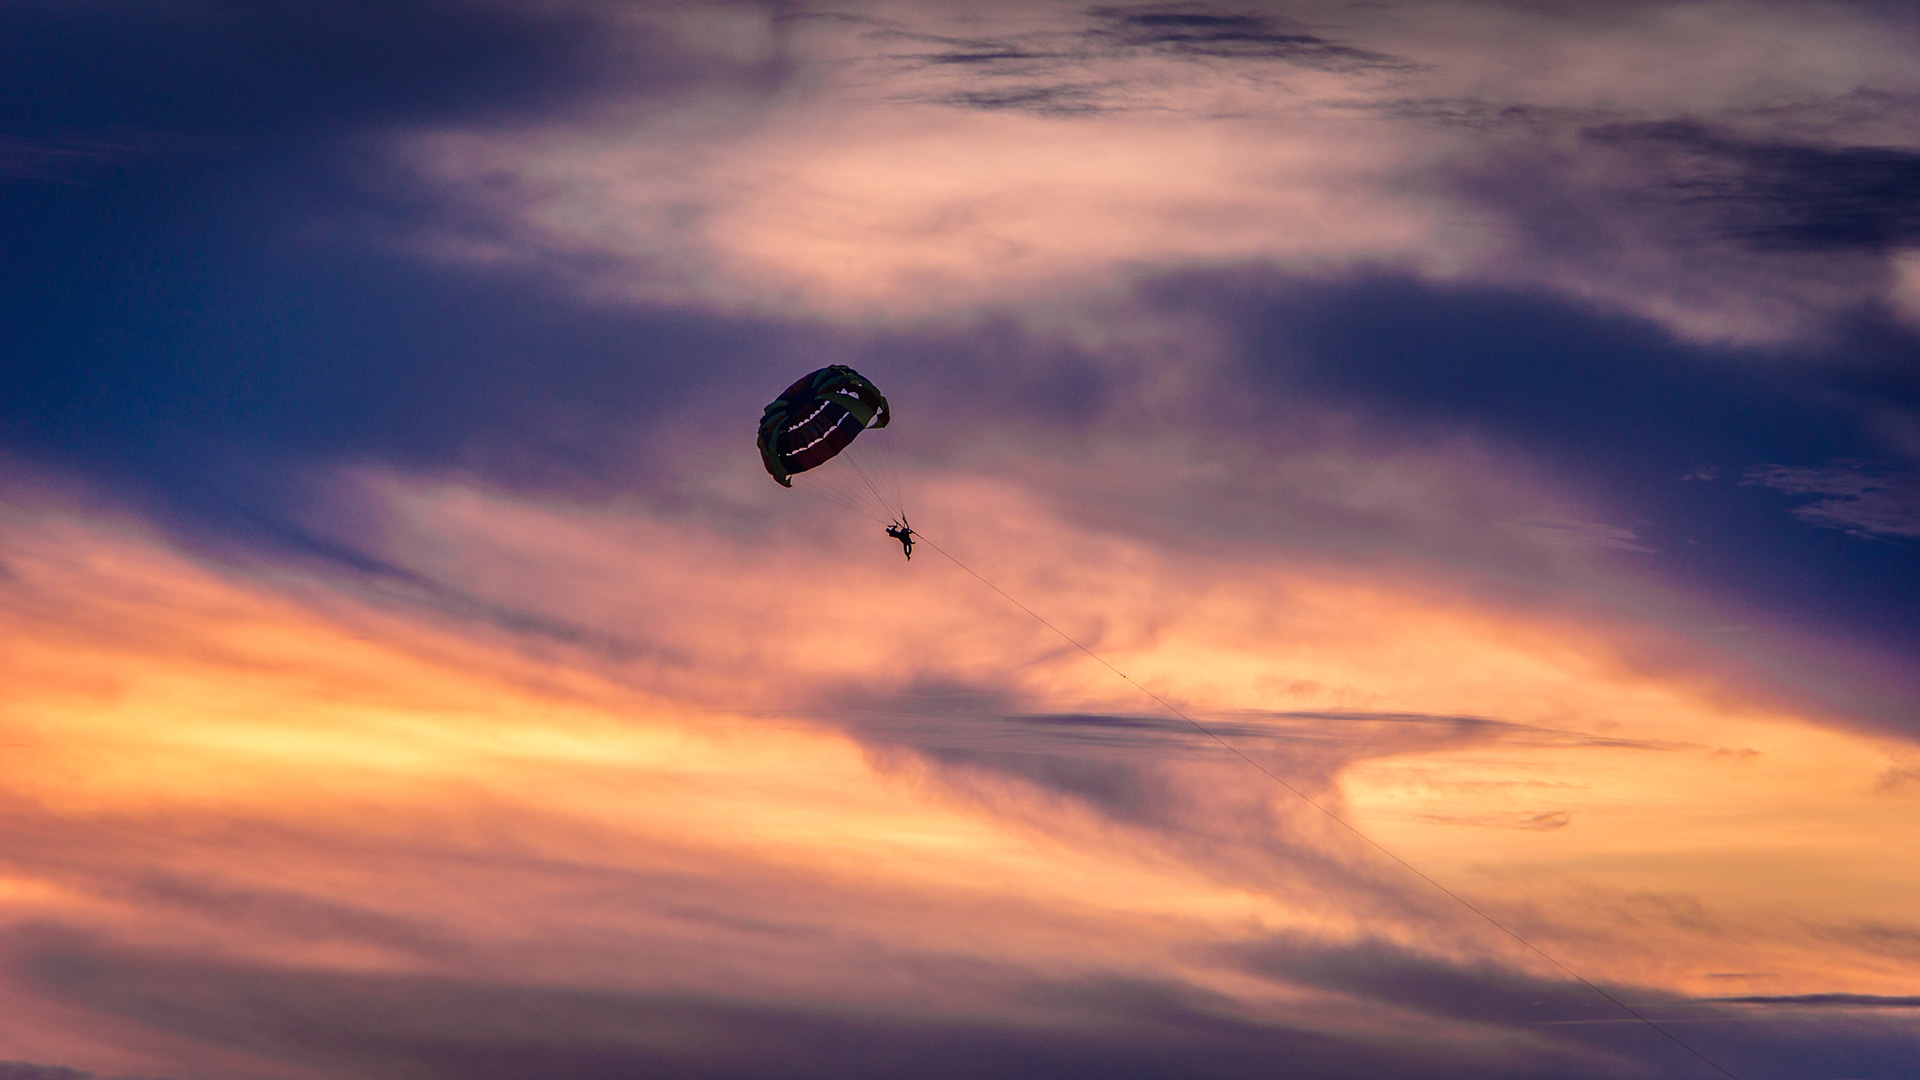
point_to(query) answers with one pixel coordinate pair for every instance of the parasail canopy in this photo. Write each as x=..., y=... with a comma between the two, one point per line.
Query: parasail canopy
x=816, y=418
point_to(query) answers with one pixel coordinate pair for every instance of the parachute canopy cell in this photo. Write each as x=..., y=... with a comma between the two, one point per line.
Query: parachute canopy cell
x=816, y=418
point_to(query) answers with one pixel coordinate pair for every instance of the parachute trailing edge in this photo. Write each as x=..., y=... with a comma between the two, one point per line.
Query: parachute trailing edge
x=816, y=418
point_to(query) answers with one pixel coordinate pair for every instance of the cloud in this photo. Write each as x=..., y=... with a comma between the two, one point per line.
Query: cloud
x=390, y=1024
x=26, y=1070
x=1036, y=99
x=1859, y=501
x=381, y=1024
x=60, y=159
x=1746, y=199
x=263, y=816
x=1537, y=821
x=1871, y=1001
x=1196, y=29
x=1583, y=534
x=1784, y=195
x=1898, y=779
x=472, y=702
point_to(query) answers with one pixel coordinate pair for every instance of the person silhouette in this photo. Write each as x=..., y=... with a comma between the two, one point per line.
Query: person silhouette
x=904, y=534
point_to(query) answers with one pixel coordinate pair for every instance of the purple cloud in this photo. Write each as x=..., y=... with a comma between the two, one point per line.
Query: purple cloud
x=1860, y=501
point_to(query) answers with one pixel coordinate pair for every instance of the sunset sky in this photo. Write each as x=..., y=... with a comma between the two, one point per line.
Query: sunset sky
x=1498, y=420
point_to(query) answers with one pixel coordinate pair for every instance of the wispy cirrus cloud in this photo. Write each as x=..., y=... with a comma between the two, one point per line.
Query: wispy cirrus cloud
x=1861, y=501
x=1854, y=1001
x=27, y=1070
x=1199, y=29
x=59, y=159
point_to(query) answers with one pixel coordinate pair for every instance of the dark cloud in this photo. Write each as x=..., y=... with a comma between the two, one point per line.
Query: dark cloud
x=1176, y=787
x=983, y=54
x=1382, y=971
x=1490, y=993
x=378, y=1026
x=1038, y=99
x=1309, y=745
x=1778, y=194
x=425, y=1027
x=939, y=50
x=1007, y=76
x=1203, y=30
x=26, y=1070
x=1862, y=502
x=1048, y=72
x=1499, y=117
x=1871, y=1001
x=1715, y=181
x=1746, y=230
x=1713, y=228
x=1137, y=793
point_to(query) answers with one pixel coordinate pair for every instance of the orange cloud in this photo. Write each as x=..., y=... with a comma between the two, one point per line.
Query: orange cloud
x=747, y=776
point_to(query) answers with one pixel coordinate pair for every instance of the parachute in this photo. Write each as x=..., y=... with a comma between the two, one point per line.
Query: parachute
x=827, y=430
